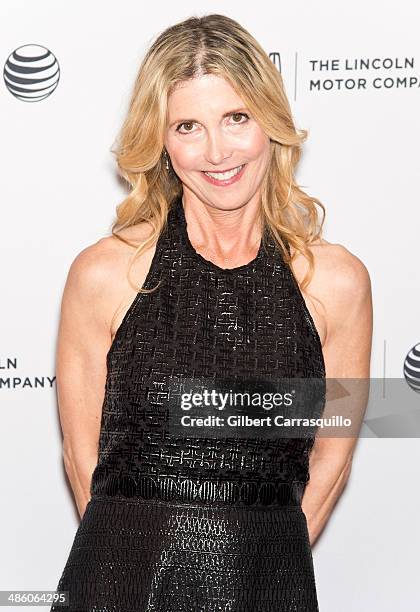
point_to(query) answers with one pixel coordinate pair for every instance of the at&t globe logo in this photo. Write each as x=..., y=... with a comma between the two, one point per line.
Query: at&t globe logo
x=31, y=73
x=412, y=368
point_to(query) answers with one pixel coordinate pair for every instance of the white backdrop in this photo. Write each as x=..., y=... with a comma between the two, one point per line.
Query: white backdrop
x=59, y=192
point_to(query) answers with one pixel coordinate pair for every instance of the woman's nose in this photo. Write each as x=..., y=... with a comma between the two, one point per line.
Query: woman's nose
x=217, y=149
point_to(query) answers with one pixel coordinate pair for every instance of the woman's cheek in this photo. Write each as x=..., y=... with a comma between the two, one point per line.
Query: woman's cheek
x=185, y=159
x=255, y=143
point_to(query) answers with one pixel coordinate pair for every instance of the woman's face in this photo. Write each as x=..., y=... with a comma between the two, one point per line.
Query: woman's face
x=211, y=130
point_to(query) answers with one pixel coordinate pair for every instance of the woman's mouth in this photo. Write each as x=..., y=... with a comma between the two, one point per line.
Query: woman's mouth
x=225, y=178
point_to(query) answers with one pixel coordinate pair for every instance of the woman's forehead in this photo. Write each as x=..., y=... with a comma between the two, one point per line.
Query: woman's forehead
x=210, y=91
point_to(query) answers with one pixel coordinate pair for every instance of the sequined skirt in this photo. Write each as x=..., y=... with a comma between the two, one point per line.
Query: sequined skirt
x=137, y=555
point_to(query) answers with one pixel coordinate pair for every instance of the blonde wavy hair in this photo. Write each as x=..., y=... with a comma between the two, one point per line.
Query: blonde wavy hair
x=218, y=45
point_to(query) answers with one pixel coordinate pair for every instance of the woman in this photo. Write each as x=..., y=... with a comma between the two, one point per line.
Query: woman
x=223, y=243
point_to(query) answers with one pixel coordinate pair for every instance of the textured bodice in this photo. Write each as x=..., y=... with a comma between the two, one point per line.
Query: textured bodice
x=204, y=322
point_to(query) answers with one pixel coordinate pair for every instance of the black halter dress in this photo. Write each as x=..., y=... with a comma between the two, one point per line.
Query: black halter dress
x=199, y=519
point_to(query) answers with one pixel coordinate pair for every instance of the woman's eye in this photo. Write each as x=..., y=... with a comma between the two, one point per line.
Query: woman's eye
x=185, y=123
x=241, y=115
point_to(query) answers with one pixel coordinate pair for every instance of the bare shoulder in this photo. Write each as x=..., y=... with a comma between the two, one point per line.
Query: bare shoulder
x=344, y=272
x=336, y=269
x=100, y=261
x=340, y=282
x=97, y=277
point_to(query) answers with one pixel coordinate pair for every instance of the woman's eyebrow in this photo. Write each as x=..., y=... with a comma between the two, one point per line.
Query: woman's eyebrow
x=231, y=112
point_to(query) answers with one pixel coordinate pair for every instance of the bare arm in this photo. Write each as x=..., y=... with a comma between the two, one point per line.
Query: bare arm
x=347, y=351
x=83, y=341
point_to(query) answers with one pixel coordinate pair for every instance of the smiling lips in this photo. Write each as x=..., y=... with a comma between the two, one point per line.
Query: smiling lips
x=225, y=178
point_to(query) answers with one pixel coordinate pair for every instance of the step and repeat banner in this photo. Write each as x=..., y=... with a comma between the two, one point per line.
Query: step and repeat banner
x=352, y=75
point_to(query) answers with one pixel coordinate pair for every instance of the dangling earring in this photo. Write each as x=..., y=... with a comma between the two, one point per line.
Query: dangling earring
x=166, y=160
